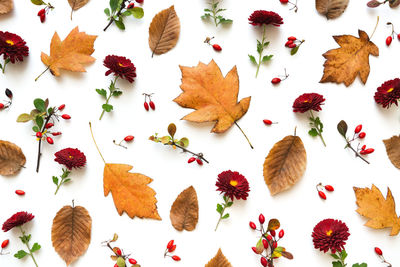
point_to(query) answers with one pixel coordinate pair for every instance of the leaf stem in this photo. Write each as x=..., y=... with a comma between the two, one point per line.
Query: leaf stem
x=317, y=128
x=261, y=51
x=64, y=176
x=98, y=150
x=244, y=135
x=376, y=25
x=220, y=218
x=48, y=67
x=27, y=245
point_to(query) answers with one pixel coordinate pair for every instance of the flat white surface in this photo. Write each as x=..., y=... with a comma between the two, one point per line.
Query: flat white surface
x=298, y=209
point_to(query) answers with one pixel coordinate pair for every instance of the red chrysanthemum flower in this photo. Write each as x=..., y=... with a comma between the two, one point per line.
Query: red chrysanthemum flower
x=388, y=93
x=307, y=102
x=17, y=219
x=71, y=158
x=233, y=184
x=121, y=67
x=13, y=47
x=330, y=234
x=263, y=17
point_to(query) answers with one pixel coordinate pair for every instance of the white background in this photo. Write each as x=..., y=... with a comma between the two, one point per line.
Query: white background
x=298, y=209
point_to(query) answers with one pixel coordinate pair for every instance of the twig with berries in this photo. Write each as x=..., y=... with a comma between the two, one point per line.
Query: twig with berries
x=127, y=139
x=44, y=118
x=148, y=103
x=216, y=47
x=118, y=256
x=119, y=9
x=44, y=11
x=267, y=245
x=376, y=3
x=294, y=5
x=214, y=13
x=183, y=143
x=8, y=102
x=278, y=80
x=320, y=187
x=379, y=252
x=171, y=248
x=390, y=38
x=359, y=152
x=4, y=245
x=294, y=44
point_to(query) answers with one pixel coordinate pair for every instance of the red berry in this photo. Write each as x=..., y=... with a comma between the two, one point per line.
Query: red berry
x=39, y=134
x=275, y=245
x=398, y=36
x=146, y=106
x=363, y=147
x=191, y=159
x=152, y=105
x=261, y=218
x=329, y=188
x=115, y=265
x=199, y=161
x=1, y=105
x=49, y=125
x=217, y=47
x=61, y=107
x=41, y=12
x=362, y=135
x=172, y=249
x=66, y=116
x=50, y=140
x=321, y=194
x=272, y=232
x=281, y=233
x=389, y=40
x=56, y=133
x=252, y=225
x=288, y=43
x=170, y=244
x=264, y=261
x=129, y=138
x=132, y=261
x=118, y=252
x=254, y=250
x=43, y=18
x=276, y=80
x=367, y=151
x=19, y=192
x=292, y=45
x=140, y=1
x=292, y=38
x=267, y=122
x=269, y=237
x=378, y=251
x=358, y=128
x=5, y=243
x=176, y=258
x=265, y=243
x=131, y=5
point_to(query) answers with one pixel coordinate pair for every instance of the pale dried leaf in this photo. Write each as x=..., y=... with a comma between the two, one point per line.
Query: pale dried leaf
x=185, y=210
x=77, y=4
x=71, y=232
x=331, y=8
x=393, y=150
x=285, y=164
x=164, y=31
x=219, y=261
x=6, y=6
x=12, y=159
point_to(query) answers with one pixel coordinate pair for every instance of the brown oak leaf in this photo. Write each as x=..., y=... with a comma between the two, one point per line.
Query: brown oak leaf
x=381, y=212
x=6, y=6
x=130, y=191
x=185, y=210
x=285, y=164
x=71, y=53
x=219, y=261
x=331, y=8
x=71, y=232
x=12, y=159
x=343, y=64
x=393, y=150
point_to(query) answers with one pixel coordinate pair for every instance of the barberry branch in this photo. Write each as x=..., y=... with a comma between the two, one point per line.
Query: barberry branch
x=122, y=6
x=355, y=152
x=198, y=155
x=40, y=140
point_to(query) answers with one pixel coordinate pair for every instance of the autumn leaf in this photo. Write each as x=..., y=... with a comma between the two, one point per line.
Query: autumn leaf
x=130, y=191
x=219, y=261
x=185, y=210
x=331, y=8
x=76, y=4
x=343, y=64
x=212, y=95
x=393, y=150
x=71, y=232
x=71, y=53
x=12, y=159
x=6, y=6
x=164, y=31
x=381, y=212
x=285, y=164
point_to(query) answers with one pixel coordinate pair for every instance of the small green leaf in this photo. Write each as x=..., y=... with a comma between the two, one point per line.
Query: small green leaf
x=343, y=254
x=39, y=121
x=66, y=180
x=25, y=239
x=55, y=180
x=266, y=44
x=20, y=254
x=116, y=93
x=225, y=21
x=337, y=264
x=360, y=265
x=102, y=92
x=137, y=12
x=205, y=16
x=253, y=59
x=35, y=129
x=39, y=104
x=126, y=13
x=114, y=5
x=219, y=208
x=107, y=107
x=226, y=216
x=24, y=117
x=294, y=50
x=267, y=58
x=313, y=132
x=165, y=139
x=35, y=247
x=107, y=12
x=335, y=256
x=184, y=142
x=229, y=204
x=207, y=10
x=259, y=47
x=37, y=2
x=120, y=24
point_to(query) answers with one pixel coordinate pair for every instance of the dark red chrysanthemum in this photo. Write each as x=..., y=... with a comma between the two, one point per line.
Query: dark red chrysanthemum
x=330, y=234
x=388, y=93
x=17, y=219
x=71, y=158
x=233, y=184
x=13, y=47
x=307, y=102
x=263, y=17
x=121, y=67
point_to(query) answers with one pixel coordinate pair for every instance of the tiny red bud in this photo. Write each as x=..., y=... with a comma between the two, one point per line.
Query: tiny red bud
x=19, y=192
x=66, y=116
x=252, y=225
x=146, y=106
x=56, y=133
x=140, y=1
x=131, y=5
x=49, y=125
x=254, y=250
x=329, y=188
x=281, y=233
x=39, y=134
x=261, y=218
x=199, y=161
x=132, y=261
x=61, y=107
x=321, y=194
x=129, y=138
x=217, y=47
x=362, y=135
x=5, y=243
x=276, y=80
x=1, y=105
x=43, y=18
x=172, y=249
x=389, y=40
x=288, y=43
x=292, y=45
x=269, y=237
x=358, y=129
x=41, y=12
x=378, y=251
x=292, y=38
x=265, y=243
x=118, y=252
x=191, y=160
x=272, y=232
x=152, y=105
x=176, y=258
x=267, y=122
x=50, y=140
x=264, y=261
x=170, y=244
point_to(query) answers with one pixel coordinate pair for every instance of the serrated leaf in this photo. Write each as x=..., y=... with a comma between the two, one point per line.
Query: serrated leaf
x=313, y=132
x=219, y=208
x=102, y=92
x=107, y=107
x=55, y=180
x=12, y=159
x=20, y=254
x=253, y=59
x=184, y=212
x=267, y=58
x=117, y=93
x=35, y=247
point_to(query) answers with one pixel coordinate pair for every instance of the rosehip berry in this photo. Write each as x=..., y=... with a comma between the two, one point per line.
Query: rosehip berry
x=199, y=161
x=56, y=133
x=362, y=135
x=398, y=36
x=263, y=260
x=132, y=261
x=19, y=192
x=275, y=245
x=176, y=258
x=191, y=159
x=41, y=12
x=118, y=252
x=363, y=147
x=358, y=129
x=1, y=105
x=172, y=249
x=321, y=194
x=217, y=47
x=367, y=151
x=66, y=116
x=115, y=265
x=252, y=225
x=265, y=243
x=272, y=232
x=39, y=134
x=267, y=122
x=49, y=125
x=389, y=40
x=281, y=233
x=261, y=218
x=9, y=94
x=276, y=80
x=131, y=5
x=140, y=1
x=146, y=106
x=329, y=188
x=378, y=251
x=254, y=250
x=152, y=105
x=60, y=108
x=129, y=138
x=170, y=244
x=43, y=18
x=288, y=43
x=5, y=243
x=292, y=38
x=50, y=140
x=292, y=45
x=269, y=237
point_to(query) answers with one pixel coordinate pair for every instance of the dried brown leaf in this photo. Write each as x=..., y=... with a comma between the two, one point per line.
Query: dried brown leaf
x=219, y=261
x=164, y=31
x=71, y=232
x=381, y=212
x=77, y=4
x=285, y=164
x=12, y=159
x=331, y=8
x=6, y=6
x=393, y=150
x=185, y=210
x=343, y=64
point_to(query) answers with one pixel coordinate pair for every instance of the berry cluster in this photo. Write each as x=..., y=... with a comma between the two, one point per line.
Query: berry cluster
x=171, y=248
x=379, y=252
x=390, y=38
x=277, y=80
x=294, y=44
x=216, y=47
x=44, y=11
x=197, y=159
x=8, y=102
x=294, y=5
x=320, y=187
x=268, y=242
x=118, y=256
x=127, y=139
x=148, y=103
x=4, y=244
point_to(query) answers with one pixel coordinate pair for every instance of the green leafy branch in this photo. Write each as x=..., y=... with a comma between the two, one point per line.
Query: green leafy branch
x=221, y=210
x=118, y=11
x=3, y=67
x=64, y=179
x=316, y=127
x=261, y=45
x=340, y=258
x=213, y=13
x=25, y=240
x=114, y=91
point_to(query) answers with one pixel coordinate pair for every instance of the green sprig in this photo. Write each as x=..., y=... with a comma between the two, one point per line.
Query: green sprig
x=214, y=13
x=113, y=91
x=261, y=45
x=64, y=179
x=25, y=240
x=221, y=210
x=316, y=127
